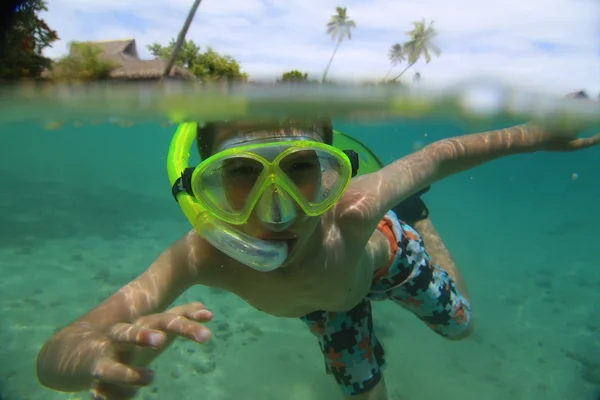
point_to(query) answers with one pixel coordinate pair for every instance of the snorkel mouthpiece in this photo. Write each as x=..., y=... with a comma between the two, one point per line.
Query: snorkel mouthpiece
x=276, y=209
x=261, y=255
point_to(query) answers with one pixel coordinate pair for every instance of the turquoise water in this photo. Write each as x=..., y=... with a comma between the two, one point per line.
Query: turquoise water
x=86, y=209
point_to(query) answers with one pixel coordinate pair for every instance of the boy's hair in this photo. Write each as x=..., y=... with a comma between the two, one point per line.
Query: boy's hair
x=206, y=134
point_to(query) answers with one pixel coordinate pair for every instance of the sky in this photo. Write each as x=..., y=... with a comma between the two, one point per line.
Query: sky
x=552, y=46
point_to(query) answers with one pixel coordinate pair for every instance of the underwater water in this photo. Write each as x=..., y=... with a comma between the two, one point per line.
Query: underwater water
x=86, y=207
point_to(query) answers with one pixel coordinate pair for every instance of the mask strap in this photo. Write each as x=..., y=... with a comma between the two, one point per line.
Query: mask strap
x=183, y=183
x=354, y=161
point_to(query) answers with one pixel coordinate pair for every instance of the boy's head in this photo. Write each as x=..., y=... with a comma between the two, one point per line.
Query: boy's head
x=210, y=136
x=239, y=175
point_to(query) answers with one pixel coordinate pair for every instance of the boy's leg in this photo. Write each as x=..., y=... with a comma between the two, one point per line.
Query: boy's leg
x=415, y=213
x=353, y=355
x=439, y=254
x=419, y=285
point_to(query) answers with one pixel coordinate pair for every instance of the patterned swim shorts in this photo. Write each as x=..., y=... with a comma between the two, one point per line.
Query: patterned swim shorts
x=353, y=355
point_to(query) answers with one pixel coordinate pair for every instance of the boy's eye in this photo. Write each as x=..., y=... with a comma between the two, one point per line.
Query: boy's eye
x=301, y=163
x=303, y=166
x=242, y=169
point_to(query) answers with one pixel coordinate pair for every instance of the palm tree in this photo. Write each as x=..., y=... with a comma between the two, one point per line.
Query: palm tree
x=181, y=39
x=396, y=55
x=339, y=27
x=420, y=44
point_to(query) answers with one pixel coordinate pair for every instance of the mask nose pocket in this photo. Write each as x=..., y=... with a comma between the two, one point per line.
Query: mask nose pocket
x=276, y=208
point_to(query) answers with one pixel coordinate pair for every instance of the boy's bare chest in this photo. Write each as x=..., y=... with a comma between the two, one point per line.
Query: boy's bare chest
x=336, y=278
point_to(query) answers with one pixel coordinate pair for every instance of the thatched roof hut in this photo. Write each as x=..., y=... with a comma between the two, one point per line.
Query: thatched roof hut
x=130, y=67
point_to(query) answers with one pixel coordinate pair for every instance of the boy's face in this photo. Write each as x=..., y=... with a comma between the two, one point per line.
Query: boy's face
x=302, y=228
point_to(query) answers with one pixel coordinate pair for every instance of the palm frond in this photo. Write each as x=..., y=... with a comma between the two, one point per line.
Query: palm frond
x=396, y=54
x=434, y=49
x=426, y=55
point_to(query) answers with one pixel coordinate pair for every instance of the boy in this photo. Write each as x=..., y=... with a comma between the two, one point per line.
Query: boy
x=279, y=223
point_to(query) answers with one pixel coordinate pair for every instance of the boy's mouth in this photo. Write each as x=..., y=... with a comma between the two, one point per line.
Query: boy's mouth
x=291, y=244
x=290, y=239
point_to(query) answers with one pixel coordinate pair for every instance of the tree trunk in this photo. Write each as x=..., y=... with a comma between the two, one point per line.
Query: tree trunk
x=330, y=60
x=180, y=39
x=403, y=71
x=388, y=73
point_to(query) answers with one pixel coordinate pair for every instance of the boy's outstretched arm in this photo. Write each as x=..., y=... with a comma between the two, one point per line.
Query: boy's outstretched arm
x=375, y=194
x=453, y=155
x=65, y=361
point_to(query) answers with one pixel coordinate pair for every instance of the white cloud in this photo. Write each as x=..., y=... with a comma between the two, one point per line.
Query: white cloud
x=500, y=40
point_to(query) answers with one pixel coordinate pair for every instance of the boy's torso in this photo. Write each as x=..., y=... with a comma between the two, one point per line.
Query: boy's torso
x=335, y=276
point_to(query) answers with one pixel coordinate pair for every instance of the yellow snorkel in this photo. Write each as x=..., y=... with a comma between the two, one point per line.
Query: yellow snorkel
x=261, y=255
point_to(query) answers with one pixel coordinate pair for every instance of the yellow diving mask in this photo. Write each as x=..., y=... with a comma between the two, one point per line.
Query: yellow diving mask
x=274, y=177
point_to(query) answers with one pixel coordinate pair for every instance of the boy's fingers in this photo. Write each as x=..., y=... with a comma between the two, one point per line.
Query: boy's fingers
x=583, y=143
x=110, y=371
x=174, y=324
x=152, y=330
x=193, y=311
x=199, y=316
x=185, y=308
x=123, y=333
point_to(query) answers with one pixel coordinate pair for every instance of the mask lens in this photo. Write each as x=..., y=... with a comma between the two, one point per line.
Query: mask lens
x=228, y=183
x=316, y=174
x=303, y=168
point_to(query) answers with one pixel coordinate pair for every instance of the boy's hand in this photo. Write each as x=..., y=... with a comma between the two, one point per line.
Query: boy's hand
x=567, y=140
x=114, y=379
x=561, y=134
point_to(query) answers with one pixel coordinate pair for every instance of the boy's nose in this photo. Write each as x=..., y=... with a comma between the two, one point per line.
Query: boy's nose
x=276, y=209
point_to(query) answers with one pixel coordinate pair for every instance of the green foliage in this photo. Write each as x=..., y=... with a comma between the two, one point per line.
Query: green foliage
x=208, y=66
x=214, y=66
x=83, y=63
x=187, y=56
x=21, y=51
x=293, y=76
